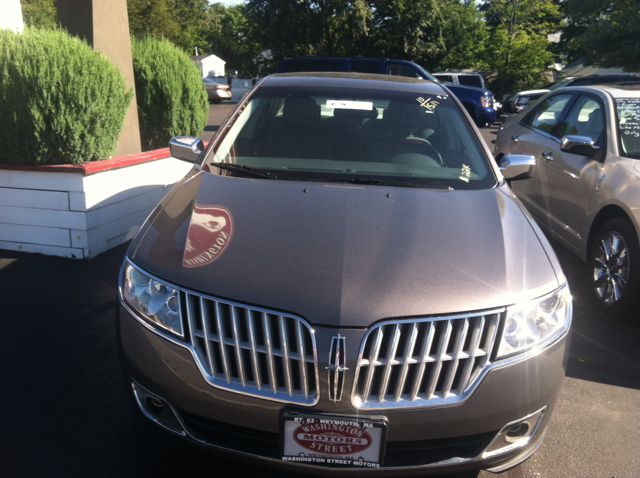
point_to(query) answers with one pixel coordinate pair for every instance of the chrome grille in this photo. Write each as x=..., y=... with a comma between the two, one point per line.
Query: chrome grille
x=253, y=351
x=423, y=362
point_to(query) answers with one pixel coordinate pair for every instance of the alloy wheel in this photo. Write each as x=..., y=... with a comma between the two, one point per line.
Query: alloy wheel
x=611, y=268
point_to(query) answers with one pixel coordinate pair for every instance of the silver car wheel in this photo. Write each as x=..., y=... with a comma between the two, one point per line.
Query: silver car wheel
x=611, y=268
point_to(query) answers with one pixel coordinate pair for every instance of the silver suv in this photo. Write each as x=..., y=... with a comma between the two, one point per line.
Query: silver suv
x=461, y=78
x=586, y=189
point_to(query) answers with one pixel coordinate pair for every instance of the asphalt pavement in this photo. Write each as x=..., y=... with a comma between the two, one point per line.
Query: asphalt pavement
x=64, y=411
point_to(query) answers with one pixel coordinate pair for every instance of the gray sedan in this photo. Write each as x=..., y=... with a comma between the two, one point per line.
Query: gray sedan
x=344, y=283
x=585, y=191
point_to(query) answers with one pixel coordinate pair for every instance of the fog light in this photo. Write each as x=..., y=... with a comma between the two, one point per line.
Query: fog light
x=515, y=435
x=157, y=410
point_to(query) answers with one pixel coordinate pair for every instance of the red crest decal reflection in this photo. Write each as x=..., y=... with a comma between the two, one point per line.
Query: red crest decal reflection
x=209, y=235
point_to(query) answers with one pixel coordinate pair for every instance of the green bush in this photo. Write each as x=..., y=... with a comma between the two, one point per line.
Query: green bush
x=169, y=91
x=60, y=101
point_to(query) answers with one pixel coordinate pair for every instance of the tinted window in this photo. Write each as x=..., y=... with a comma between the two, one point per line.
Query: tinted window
x=448, y=78
x=470, y=80
x=314, y=65
x=401, y=70
x=586, y=118
x=342, y=134
x=365, y=67
x=548, y=113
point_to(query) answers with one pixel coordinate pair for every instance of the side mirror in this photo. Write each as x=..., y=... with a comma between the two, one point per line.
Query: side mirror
x=186, y=148
x=582, y=145
x=517, y=166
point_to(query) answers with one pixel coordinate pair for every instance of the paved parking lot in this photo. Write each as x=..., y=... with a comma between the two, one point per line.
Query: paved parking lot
x=65, y=414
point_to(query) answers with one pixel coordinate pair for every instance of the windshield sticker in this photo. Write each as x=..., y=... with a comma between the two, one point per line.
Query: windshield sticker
x=466, y=173
x=350, y=105
x=209, y=235
x=629, y=116
x=428, y=103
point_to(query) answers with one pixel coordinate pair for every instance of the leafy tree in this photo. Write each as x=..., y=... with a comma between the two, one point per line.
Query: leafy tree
x=40, y=13
x=604, y=32
x=230, y=35
x=183, y=22
x=519, y=51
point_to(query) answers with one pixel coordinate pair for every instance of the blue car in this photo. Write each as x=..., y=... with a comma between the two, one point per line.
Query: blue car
x=477, y=101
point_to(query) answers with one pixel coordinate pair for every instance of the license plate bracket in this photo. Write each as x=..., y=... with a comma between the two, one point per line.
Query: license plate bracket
x=333, y=441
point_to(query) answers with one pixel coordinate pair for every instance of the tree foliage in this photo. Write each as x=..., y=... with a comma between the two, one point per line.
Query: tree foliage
x=40, y=13
x=604, y=32
x=519, y=51
x=182, y=22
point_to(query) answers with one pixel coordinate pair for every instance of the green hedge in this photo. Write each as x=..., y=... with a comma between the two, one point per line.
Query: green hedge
x=171, y=98
x=60, y=101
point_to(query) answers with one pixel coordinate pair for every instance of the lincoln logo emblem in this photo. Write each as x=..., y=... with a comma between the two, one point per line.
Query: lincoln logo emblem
x=336, y=368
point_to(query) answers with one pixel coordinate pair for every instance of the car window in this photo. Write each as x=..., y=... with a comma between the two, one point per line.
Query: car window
x=548, y=113
x=586, y=118
x=365, y=67
x=470, y=80
x=448, y=78
x=628, y=112
x=401, y=70
x=346, y=134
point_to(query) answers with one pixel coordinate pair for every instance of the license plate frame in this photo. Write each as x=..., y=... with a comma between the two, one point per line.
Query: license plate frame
x=333, y=441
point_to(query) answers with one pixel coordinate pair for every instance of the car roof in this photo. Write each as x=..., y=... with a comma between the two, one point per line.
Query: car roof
x=531, y=92
x=354, y=80
x=617, y=91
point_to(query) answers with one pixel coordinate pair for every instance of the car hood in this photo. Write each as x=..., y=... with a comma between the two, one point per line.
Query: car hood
x=345, y=255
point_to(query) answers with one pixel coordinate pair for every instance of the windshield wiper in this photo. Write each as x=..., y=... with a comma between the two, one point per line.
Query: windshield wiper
x=377, y=182
x=248, y=169
x=633, y=155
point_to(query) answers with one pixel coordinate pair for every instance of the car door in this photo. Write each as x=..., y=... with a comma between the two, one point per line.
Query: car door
x=532, y=136
x=570, y=179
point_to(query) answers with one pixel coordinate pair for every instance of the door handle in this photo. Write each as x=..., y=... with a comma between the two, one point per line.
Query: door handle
x=547, y=156
x=515, y=138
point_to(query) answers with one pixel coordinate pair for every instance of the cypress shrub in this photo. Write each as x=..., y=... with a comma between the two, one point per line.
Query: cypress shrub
x=171, y=98
x=60, y=101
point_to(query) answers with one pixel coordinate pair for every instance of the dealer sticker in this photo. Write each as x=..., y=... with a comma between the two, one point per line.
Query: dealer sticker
x=333, y=441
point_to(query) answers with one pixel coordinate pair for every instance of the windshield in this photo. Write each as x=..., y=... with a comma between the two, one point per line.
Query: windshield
x=353, y=135
x=628, y=112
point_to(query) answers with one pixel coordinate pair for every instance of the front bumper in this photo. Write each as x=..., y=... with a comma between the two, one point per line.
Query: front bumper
x=421, y=440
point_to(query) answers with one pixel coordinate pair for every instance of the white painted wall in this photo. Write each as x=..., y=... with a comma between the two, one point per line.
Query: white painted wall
x=11, y=15
x=78, y=216
x=213, y=66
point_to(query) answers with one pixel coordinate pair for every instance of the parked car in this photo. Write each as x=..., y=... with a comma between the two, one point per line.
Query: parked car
x=524, y=101
x=514, y=102
x=478, y=102
x=345, y=280
x=585, y=191
x=216, y=92
x=461, y=78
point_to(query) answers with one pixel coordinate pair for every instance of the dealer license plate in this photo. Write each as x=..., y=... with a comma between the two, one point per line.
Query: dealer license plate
x=333, y=441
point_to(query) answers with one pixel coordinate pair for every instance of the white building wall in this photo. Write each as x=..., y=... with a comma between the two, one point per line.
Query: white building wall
x=11, y=15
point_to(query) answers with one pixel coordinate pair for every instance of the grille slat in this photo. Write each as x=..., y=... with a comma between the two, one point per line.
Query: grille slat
x=238, y=349
x=423, y=362
x=408, y=354
x=253, y=351
x=222, y=339
x=373, y=357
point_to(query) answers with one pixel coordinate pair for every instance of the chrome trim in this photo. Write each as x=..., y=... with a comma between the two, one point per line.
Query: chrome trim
x=336, y=368
x=441, y=342
x=205, y=357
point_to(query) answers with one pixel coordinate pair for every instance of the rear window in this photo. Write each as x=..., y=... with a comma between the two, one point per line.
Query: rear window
x=344, y=134
x=365, y=67
x=296, y=66
x=470, y=80
x=628, y=113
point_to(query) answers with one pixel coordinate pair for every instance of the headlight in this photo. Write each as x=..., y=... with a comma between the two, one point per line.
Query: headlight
x=487, y=101
x=152, y=300
x=534, y=323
